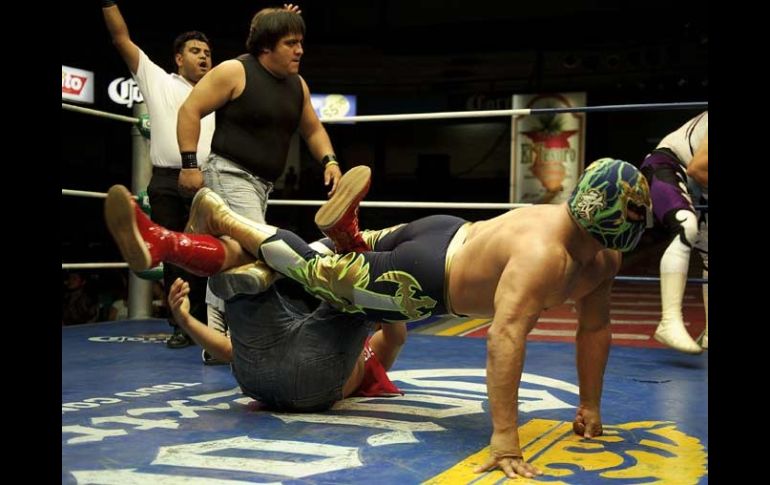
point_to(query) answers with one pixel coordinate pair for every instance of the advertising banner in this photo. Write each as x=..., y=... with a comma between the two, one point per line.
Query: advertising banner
x=77, y=85
x=547, y=150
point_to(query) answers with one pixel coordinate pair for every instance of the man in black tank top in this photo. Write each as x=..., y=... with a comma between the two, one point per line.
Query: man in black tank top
x=260, y=102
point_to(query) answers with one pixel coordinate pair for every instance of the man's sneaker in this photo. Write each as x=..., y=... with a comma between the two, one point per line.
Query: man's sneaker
x=209, y=359
x=338, y=217
x=179, y=340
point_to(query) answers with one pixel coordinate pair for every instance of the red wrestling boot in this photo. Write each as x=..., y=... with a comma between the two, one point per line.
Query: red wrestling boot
x=144, y=244
x=338, y=217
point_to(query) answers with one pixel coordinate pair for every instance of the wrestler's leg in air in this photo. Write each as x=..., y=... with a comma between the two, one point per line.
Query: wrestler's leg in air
x=672, y=206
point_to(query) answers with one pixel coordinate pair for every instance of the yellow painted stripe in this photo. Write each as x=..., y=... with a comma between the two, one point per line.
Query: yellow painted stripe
x=458, y=329
x=546, y=434
x=535, y=436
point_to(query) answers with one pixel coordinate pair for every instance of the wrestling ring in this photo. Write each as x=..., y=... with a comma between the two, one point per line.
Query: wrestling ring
x=127, y=419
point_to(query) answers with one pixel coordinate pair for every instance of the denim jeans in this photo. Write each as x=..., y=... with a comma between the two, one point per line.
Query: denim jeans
x=288, y=358
x=245, y=193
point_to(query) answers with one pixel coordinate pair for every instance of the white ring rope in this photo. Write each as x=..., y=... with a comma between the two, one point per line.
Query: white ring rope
x=99, y=114
x=457, y=114
x=83, y=193
x=364, y=203
x=518, y=112
x=93, y=265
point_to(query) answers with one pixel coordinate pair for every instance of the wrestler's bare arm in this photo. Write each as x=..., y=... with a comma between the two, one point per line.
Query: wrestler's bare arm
x=593, y=347
x=387, y=342
x=220, y=85
x=120, y=37
x=698, y=168
x=525, y=283
x=215, y=343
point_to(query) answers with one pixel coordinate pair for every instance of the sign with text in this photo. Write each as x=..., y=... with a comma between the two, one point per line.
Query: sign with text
x=547, y=150
x=77, y=84
x=125, y=91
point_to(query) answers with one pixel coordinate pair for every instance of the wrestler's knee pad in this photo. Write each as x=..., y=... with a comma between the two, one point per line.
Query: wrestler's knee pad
x=684, y=224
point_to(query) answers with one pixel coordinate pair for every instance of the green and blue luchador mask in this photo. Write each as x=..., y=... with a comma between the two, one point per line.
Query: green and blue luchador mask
x=612, y=202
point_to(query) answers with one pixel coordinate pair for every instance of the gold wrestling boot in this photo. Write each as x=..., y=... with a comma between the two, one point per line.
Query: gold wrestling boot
x=210, y=214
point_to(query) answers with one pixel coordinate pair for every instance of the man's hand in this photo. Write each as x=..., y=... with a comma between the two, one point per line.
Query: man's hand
x=332, y=173
x=292, y=8
x=506, y=455
x=190, y=181
x=178, y=301
x=588, y=422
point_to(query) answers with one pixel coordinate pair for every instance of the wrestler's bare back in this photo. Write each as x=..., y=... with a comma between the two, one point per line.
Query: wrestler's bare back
x=491, y=244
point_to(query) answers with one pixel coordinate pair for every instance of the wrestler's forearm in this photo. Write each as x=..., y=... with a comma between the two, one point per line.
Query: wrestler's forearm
x=593, y=348
x=215, y=343
x=319, y=144
x=505, y=358
x=188, y=129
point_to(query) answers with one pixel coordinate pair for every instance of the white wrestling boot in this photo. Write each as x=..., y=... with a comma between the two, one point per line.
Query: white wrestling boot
x=703, y=340
x=671, y=330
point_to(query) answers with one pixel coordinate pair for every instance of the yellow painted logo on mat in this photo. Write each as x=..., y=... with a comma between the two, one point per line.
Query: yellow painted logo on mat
x=649, y=452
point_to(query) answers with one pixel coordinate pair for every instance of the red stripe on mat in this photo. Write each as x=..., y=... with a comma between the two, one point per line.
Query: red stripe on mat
x=645, y=314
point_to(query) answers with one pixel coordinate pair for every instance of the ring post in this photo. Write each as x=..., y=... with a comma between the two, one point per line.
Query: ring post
x=139, y=290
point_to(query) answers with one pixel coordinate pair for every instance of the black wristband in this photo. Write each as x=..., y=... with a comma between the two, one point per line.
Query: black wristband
x=328, y=158
x=189, y=160
x=108, y=3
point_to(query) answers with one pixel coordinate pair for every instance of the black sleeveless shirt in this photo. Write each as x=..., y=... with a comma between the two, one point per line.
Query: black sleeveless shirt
x=254, y=129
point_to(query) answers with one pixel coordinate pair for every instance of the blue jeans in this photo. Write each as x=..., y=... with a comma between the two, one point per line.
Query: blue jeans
x=245, y=193
x=289, y=358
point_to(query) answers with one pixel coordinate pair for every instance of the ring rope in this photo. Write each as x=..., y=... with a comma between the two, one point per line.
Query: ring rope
x=456, y=114
x=84, y=193
x=365, y=203
x=99, y=114
x=514, y=112
x=93, y=265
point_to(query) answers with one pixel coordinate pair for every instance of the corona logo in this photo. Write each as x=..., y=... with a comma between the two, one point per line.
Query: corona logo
x=124, y=91
x=120, y=339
